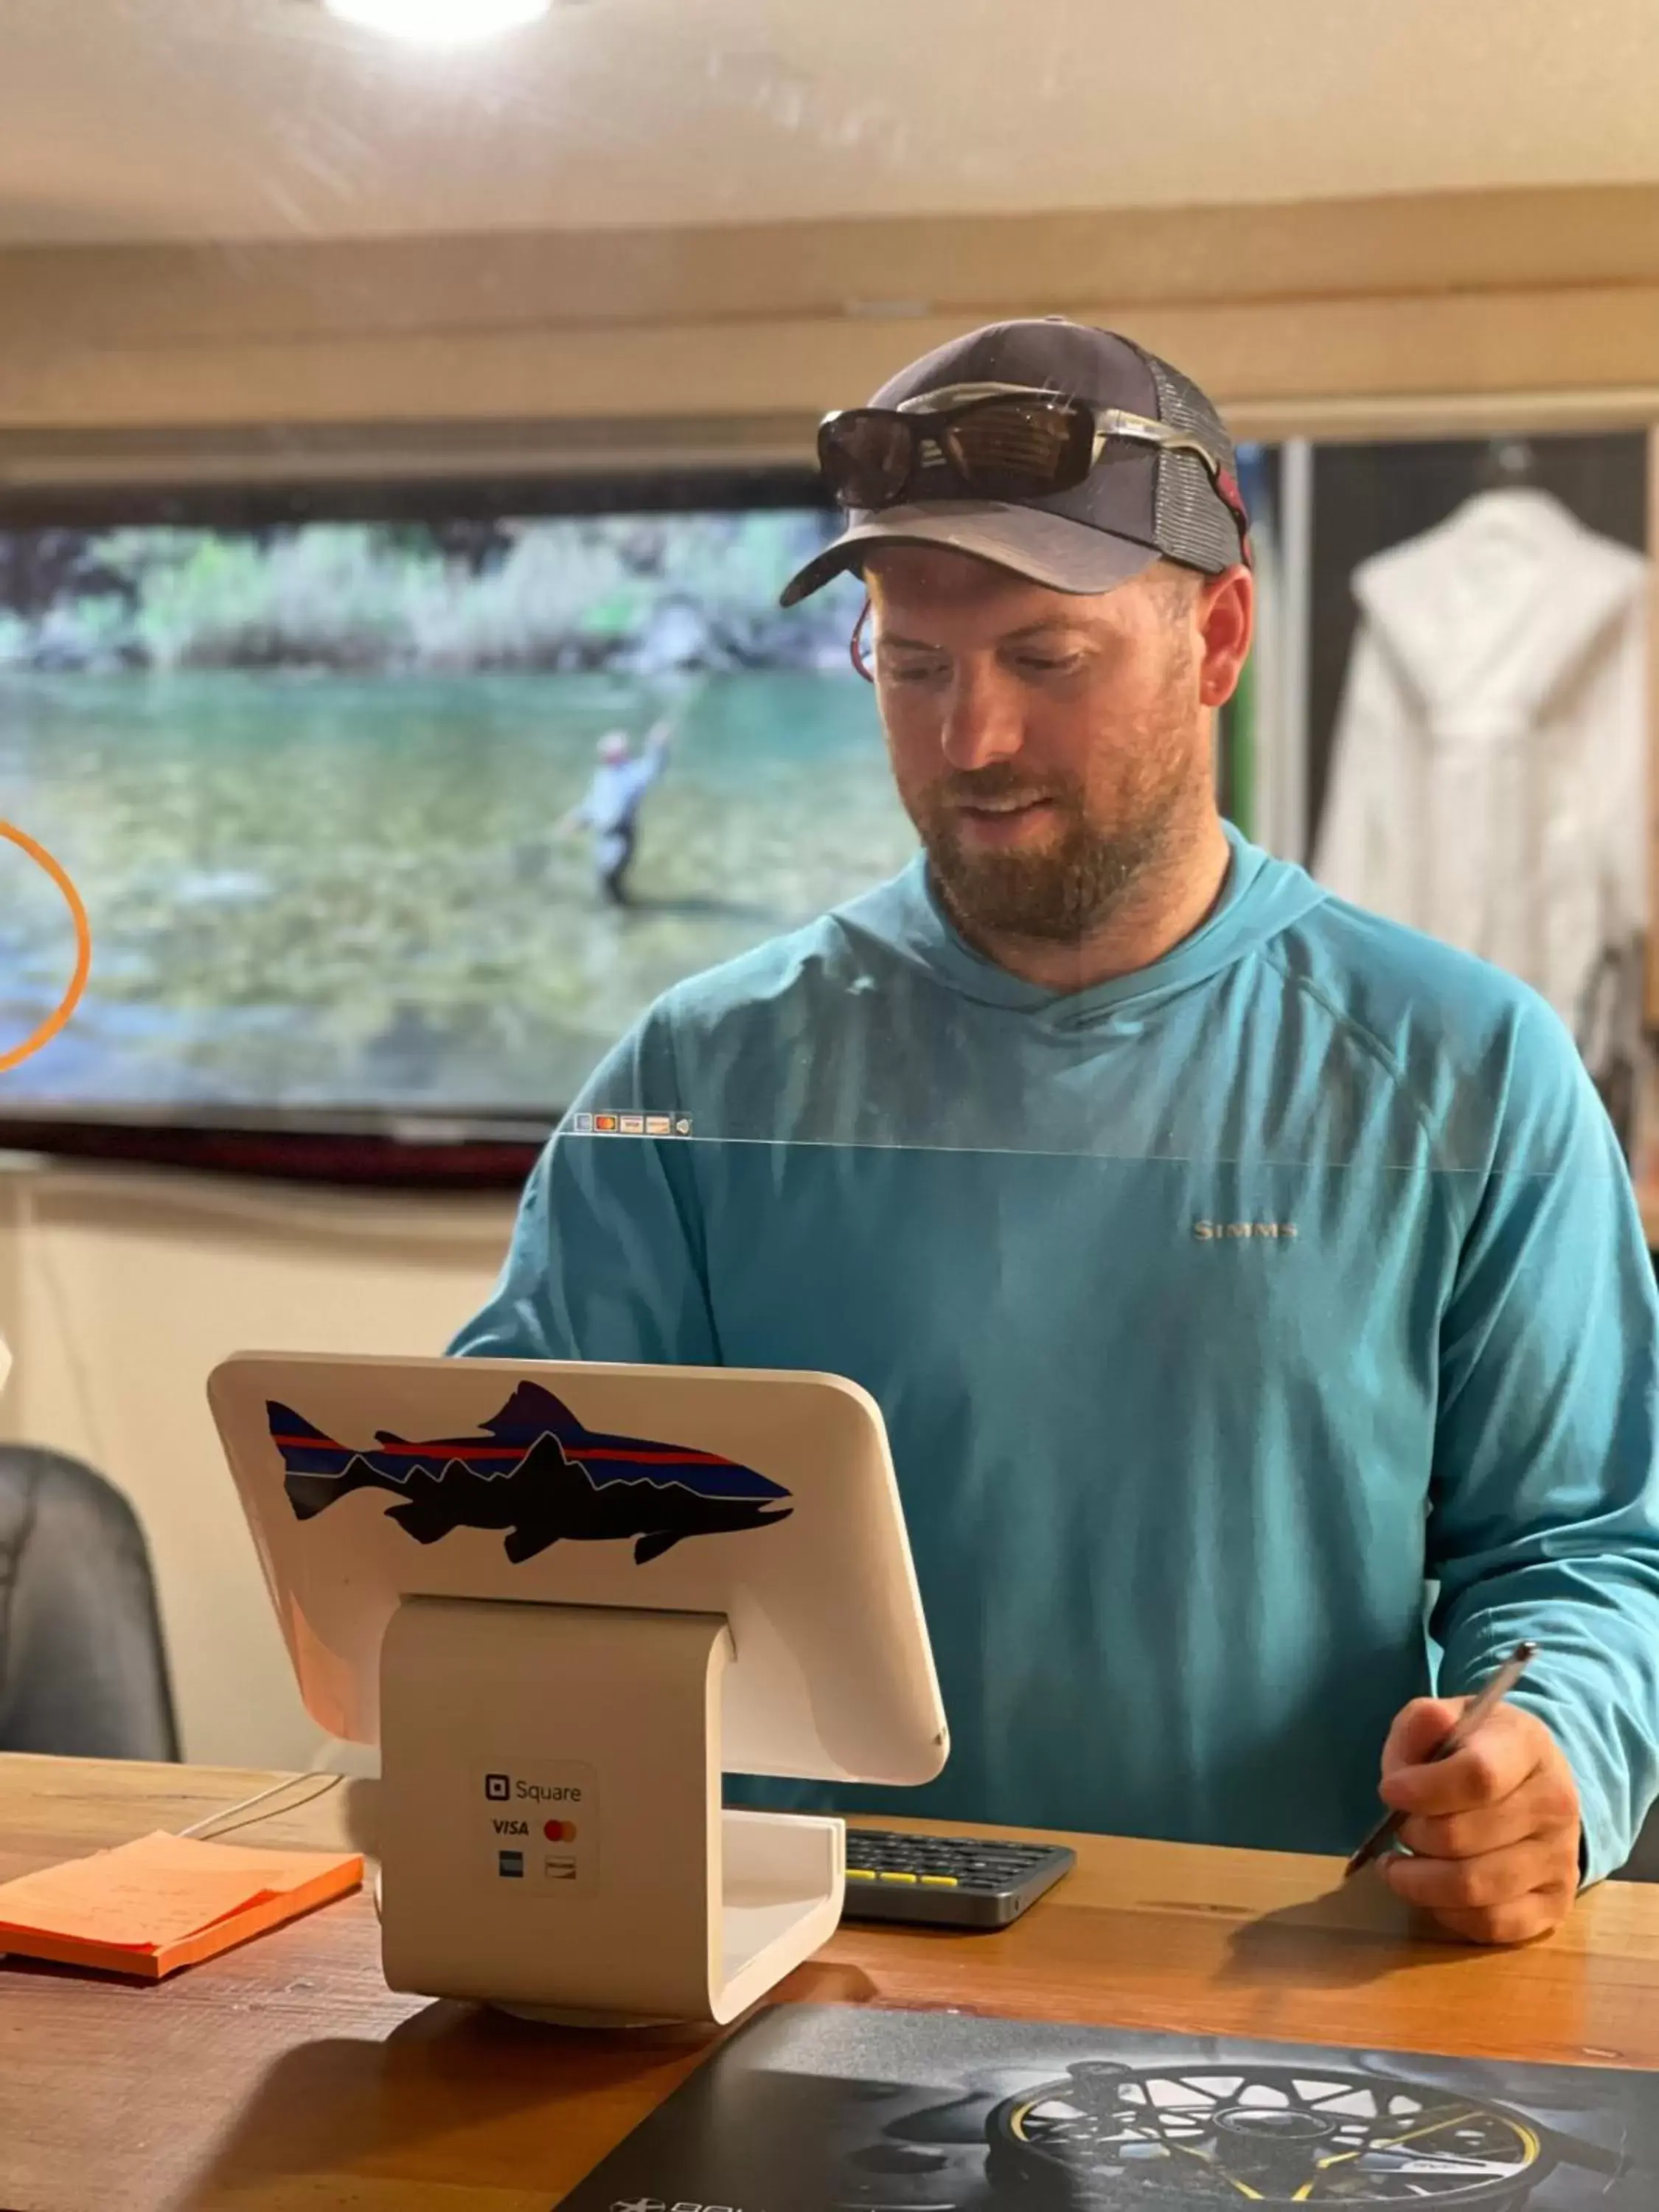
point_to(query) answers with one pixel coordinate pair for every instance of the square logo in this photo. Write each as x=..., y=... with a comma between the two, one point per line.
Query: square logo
x=498, y=1787
x=510, y=1863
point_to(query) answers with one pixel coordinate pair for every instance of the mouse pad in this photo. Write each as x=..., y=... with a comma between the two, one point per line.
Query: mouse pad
x=814, y=2108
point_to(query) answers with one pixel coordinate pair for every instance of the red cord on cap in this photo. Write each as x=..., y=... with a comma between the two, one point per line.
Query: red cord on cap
x=860, y=661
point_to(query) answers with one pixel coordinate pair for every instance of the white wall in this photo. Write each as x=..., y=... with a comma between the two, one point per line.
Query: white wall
x=118, y=1291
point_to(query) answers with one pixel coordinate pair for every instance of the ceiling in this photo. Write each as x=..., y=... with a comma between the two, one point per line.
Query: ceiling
x=150, y=119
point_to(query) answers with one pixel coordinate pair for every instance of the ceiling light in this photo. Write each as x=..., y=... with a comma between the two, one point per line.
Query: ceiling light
x=438, y=22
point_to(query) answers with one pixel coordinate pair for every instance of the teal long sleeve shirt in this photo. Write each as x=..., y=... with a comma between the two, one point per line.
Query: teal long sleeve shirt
x=1264, y=1337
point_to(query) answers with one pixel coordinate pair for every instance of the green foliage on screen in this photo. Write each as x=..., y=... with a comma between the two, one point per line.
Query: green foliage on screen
x=696, y=589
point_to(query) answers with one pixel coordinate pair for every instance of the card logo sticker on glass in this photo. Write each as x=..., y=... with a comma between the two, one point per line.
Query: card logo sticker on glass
x=534, y=1471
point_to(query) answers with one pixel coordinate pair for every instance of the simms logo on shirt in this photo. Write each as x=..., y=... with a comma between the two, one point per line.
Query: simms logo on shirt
x=1213, y=1232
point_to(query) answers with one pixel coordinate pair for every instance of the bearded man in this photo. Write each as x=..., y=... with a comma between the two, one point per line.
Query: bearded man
x=1253, y=1290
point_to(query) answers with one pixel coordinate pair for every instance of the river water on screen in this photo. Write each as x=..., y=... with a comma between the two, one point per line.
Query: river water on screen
x=324, y=890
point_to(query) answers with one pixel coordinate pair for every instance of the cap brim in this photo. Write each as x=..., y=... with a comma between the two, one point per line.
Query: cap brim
x=1047, y=548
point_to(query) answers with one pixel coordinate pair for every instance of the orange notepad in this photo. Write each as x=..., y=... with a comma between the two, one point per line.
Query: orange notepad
x=163, y=1902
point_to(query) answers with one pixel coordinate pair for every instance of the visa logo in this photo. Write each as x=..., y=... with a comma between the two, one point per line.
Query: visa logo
x=511, y=1827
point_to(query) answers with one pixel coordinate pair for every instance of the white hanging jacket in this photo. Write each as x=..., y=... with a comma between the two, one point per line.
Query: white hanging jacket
x=1489, y=775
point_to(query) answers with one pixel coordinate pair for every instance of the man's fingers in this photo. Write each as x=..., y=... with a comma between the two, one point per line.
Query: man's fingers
x=1419, y=1730
x=1496, y=1880
x=1504, y=1754
x=1520, y=1921
x=1468, y=1835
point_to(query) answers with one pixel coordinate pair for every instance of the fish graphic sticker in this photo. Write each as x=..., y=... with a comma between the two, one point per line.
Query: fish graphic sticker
x=536, y=1472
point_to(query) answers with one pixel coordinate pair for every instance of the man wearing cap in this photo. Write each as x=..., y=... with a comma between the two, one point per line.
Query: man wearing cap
x=1253, y=1290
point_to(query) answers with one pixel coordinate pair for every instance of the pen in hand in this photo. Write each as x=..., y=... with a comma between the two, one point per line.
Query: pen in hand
x=1491, y=1693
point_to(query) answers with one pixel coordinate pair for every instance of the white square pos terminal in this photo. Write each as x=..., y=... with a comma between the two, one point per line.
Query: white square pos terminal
x=562, y=1596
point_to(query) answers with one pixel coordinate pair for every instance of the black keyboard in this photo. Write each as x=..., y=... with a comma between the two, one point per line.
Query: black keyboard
x=947, y=1881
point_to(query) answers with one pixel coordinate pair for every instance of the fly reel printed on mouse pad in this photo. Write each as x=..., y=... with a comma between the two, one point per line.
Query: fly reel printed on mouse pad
x=1158, y=2139
x=853, y=2108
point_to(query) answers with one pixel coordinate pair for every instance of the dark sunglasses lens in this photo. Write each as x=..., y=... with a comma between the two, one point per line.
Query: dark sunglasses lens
x=1018, y=448
x=867, y=458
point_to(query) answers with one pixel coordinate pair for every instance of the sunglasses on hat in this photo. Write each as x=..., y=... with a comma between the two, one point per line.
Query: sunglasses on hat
x=997, y=441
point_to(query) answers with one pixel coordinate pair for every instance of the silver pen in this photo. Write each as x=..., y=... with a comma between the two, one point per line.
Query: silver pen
x=1492, y=1693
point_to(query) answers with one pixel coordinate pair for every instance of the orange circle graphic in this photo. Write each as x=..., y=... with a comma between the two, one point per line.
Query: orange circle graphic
x=71, y=998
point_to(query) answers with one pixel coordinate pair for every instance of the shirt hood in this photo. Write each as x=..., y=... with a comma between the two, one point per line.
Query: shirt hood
x=1261, y=898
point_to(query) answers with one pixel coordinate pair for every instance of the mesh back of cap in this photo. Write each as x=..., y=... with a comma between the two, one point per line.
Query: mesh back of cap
x=1191, y=518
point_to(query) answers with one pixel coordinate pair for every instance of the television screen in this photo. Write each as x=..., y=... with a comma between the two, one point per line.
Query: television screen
x=394, y=816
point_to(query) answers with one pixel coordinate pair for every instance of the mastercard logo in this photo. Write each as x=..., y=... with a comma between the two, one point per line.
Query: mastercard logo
x=559, y=1832
x=77, y=982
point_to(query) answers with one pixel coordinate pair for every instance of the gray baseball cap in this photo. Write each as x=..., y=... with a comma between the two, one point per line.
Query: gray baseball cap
x=1122, y=518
